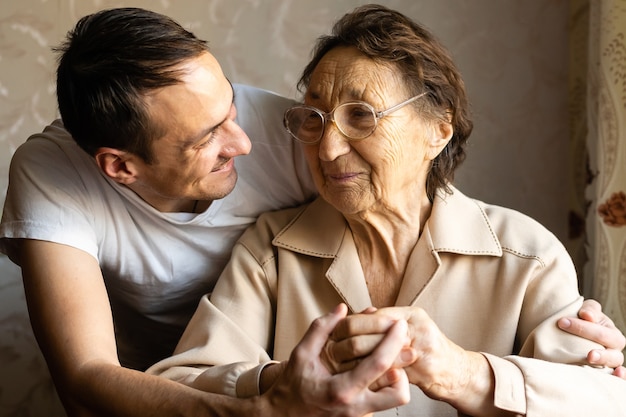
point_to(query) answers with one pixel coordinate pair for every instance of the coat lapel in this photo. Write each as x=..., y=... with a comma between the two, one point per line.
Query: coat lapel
x=422, y=266
x=320, y=230
x=457, y=224
x=348, y=280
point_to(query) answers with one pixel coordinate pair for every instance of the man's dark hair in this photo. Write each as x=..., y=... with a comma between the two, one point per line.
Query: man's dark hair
x=107, y=64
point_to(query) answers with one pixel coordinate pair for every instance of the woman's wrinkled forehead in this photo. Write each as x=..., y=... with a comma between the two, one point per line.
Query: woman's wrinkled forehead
x=345, y=74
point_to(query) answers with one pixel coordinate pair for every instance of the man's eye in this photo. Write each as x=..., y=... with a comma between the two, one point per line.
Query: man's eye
x=209, y=139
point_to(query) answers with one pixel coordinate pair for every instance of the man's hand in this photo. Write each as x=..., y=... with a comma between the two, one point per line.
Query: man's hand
x=594, y=325
x=306, y=387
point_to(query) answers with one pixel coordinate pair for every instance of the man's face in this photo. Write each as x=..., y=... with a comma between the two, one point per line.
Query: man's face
x=193, y=159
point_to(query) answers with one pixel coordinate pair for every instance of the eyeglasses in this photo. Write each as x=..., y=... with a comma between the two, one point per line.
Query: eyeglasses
x=356, y=120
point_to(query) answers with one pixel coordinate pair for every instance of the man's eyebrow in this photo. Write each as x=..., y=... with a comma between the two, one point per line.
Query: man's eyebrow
x=209, y=129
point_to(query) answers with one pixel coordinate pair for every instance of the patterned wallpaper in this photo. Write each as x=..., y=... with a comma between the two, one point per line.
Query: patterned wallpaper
x=605, y=130
x=513, y=54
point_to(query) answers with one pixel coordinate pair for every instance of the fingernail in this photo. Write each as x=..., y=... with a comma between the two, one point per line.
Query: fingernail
x=565, y=323
x=593, y=356
x=407, y=355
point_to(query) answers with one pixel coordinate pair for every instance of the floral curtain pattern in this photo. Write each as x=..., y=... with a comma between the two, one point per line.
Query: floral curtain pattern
x=598, y=135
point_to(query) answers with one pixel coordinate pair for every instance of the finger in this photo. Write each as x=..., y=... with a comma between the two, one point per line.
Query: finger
x=346, y=366
x=381, y=359
x=620, y=371
x=395, y=391
x=609, y=337
x=406, y=358
x=354, y=347
x=361, y=324
x=399, y=391
x=591, y=310
x=376, y=366
x=392, y=376
x=610, y=358
x=318, y=332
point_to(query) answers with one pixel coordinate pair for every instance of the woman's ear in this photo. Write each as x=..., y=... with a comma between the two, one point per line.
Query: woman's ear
x=442, y=133
x=117, y=165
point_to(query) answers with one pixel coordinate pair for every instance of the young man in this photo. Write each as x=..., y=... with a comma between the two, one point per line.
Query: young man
x=120, y=228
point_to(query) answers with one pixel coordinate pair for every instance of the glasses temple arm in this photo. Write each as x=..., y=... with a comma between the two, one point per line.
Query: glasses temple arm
x=397, y=106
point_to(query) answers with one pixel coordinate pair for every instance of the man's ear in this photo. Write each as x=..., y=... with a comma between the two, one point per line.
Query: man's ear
x=442, y=133
x=117, y=165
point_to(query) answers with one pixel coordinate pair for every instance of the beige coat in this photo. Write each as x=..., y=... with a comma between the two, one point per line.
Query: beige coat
x=494, y=281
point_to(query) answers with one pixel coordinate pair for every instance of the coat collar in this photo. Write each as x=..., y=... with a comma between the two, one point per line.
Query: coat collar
x=318, y=230
x=457, y=224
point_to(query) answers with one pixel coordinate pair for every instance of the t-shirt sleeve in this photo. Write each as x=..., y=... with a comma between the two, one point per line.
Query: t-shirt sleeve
x=47, y=195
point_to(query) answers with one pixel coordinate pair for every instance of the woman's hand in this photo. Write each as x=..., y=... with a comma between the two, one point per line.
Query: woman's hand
x=442, y=369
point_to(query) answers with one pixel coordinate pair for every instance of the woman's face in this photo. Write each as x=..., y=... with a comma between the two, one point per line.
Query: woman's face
x=387, y=169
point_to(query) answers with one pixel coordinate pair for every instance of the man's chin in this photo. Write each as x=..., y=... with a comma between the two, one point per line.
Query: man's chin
x=220, y=192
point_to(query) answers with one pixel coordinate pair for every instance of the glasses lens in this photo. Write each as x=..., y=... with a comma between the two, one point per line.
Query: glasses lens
x=304, y=124
x=355, y=120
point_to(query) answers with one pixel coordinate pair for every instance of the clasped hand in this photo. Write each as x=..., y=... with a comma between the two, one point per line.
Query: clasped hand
x=306, y=385
x=357, y=364
x=439, y=367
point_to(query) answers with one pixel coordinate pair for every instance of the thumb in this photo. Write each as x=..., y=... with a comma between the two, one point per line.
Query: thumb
x=317, y=334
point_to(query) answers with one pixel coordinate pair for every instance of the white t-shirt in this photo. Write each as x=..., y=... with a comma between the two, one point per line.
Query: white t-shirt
x=156, y=265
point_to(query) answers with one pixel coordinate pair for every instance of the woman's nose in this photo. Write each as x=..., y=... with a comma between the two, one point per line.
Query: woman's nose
x=333, y=143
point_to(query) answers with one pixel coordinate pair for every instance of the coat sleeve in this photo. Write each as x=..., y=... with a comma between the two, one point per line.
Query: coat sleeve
x=549, y=376
x=229, y=339
x=534, y=387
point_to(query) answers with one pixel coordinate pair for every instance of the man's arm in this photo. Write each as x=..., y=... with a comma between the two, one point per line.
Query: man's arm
x=71, y=318
x=72, y=321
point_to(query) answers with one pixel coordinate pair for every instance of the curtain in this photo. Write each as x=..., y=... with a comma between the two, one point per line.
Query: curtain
x=597, y=218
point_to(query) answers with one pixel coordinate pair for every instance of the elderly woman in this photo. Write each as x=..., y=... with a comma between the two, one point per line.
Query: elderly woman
x=384, y=125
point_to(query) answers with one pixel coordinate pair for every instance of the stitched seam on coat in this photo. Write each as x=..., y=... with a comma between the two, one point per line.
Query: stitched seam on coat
x=468, y=252
x=308, y=252
x=524, y=255
x=487, y=222
x=259, y=261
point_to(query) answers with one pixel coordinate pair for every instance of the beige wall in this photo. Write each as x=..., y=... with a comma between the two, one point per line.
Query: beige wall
x=511, y=52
